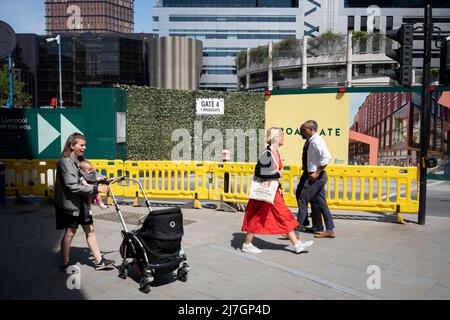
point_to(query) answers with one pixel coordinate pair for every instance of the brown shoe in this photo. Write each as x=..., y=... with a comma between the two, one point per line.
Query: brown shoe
x=326, y=234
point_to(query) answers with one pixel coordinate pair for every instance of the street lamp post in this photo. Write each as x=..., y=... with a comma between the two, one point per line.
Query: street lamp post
x=58, y=41
x=425, y=112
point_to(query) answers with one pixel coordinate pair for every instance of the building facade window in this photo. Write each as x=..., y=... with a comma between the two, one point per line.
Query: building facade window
x=399, y=126
x=350, y=23
x=363, y=23
x=175, y=18
x=232, y=3
x=394, y=3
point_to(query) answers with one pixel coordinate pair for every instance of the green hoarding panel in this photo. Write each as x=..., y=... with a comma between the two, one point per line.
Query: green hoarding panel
x=102, y=107
x=37, y=133
x=42, y=133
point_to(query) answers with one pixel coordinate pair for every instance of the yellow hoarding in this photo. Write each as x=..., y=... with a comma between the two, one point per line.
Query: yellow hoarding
x=331, y=111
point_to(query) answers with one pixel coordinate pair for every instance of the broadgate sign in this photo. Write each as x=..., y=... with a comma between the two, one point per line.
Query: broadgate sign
x=327, y=132
x=331, y=111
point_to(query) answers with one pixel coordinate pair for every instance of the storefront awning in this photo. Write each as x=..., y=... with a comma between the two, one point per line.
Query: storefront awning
x=445, y=99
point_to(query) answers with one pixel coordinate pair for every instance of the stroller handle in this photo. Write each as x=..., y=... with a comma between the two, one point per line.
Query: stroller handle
x=117, y=180
x=125, y=178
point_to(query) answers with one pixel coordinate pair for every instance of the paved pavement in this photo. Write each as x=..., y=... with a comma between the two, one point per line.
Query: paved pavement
x=413, y=261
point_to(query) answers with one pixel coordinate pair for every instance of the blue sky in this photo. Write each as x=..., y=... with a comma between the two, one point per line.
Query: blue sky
x=27, y=16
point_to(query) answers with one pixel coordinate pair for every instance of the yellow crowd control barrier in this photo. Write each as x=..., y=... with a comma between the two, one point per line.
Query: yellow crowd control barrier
x=17, y=177
x=362, y=188
x=110, y=169
x=43, y=177
x=236, y=175
x=370, y=188
x=289, y=182
x=167, y=179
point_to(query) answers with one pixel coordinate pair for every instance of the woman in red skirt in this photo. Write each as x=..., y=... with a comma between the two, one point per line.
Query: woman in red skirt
x=265, y=218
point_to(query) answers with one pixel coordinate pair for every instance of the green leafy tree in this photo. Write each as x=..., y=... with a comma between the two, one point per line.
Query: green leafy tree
x=22, y=99
x=327, y=43
x=241, y=59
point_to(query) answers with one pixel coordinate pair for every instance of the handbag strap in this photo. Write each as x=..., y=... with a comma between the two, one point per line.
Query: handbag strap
x=276, y=163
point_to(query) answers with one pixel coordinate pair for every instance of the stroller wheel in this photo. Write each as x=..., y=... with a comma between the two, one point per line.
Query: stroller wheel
x=123, y=273
x=146, y=289
x=144, y=284
x=182, y=275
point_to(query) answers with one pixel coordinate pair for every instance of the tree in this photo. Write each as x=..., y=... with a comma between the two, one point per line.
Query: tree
x=22, y=99
x=241, y=59
x=327, y=43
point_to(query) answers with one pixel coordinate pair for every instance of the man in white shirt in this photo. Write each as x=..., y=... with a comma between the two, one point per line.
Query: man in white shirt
x=317, y=159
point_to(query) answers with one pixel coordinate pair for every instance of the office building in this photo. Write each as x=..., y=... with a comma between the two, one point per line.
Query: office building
x=79, y=16
x=88, y=60
x=225, y=28
x=229, y=26
x=104, y=60
x=394, y=118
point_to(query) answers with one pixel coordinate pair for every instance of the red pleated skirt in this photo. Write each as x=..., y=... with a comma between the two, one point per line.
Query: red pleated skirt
x=265, y=218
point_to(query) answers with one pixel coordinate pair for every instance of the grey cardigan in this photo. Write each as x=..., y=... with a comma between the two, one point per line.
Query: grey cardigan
x=68, y=190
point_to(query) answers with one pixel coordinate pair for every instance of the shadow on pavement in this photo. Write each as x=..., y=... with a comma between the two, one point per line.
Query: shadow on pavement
x=239, y=238
x=29, y=247
x=375, y=217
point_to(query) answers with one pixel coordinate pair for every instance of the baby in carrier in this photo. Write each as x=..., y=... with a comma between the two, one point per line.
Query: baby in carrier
x=89, y=176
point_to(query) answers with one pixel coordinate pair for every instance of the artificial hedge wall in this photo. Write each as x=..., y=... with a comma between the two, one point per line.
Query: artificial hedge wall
x=153, y=114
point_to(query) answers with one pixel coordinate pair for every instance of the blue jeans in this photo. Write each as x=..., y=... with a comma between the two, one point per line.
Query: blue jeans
x=314, y=192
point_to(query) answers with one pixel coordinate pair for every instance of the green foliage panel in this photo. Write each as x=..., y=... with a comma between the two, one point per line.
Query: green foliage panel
x=154, y=114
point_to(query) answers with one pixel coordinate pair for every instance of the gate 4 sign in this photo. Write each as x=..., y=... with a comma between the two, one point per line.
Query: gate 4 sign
x=210, y=106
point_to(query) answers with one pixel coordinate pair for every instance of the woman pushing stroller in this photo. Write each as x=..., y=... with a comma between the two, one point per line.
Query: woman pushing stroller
x=70, y=202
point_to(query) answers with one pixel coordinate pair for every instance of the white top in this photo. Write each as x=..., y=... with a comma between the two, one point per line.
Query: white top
x=318, y=153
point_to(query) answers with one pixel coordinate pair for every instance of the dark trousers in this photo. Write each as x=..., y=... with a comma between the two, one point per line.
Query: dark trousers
x=314, y=193
x=315, y=215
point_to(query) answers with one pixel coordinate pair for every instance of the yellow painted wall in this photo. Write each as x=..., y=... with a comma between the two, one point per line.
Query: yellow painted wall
x=331, y=111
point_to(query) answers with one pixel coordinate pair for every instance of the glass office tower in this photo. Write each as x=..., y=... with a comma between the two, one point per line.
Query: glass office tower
x=80, y=16
x=88, y=60
x=228, y=26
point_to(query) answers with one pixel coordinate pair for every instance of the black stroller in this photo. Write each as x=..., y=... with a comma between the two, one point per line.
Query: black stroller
x=155, y=248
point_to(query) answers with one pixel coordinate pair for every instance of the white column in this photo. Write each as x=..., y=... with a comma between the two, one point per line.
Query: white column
x=270, y=68
x=349, y=58
x=247, y=85
x=305, y=63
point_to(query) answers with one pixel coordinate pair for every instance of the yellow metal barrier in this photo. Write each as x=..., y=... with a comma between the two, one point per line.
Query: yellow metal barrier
x=239, y=177
x=237, y=174
x=17, y=177
x=374, y=186
x=362, y=188
x=110, y=169
x=43, y=177
x=289, y=182
x=167, y=179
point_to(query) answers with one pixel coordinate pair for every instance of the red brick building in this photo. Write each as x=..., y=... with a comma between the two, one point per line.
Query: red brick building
x=394, y=118
x=97, y=16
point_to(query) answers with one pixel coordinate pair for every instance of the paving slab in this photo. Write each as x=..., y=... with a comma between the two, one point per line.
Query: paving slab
x=413, y=260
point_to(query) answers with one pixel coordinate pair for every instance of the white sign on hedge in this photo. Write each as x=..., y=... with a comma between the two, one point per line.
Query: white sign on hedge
x=210, y=106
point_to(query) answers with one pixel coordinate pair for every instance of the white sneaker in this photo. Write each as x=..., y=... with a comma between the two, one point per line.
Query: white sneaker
x=301, y=246
x=250, y=248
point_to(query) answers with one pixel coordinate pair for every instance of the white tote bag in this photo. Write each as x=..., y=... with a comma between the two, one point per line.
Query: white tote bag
x=263, y=189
